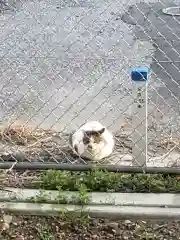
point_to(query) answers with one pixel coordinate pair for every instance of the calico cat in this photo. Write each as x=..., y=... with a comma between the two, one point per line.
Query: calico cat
x=92, y=141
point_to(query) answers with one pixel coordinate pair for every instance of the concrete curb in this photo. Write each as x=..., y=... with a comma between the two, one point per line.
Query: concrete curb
x=102, y=205
x=95, y=211
x=117, y=199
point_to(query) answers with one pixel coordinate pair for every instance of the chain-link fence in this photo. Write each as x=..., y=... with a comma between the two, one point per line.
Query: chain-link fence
x=64, y=63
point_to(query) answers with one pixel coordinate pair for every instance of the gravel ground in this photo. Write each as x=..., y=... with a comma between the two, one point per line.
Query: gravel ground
x=43, y=228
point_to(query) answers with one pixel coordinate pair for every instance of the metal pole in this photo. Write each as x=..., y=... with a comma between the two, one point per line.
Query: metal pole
x=139, y=116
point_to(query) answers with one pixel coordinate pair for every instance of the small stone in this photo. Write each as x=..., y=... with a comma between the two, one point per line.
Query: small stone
x=14, y=236
x=95, y=236
x=119, y=232
x=5, y=227
x=127, y=222
x=95, y=222
x=106, y=222
x=125, y=237
x=100, y=31
x=137, y=227
x=144, y=222
x=109, y=235
x=114, y=225
x=21, y=237
x=88, y=235
x=95, y=229
x=118, y=17
x=62, y=234
x=14, y=223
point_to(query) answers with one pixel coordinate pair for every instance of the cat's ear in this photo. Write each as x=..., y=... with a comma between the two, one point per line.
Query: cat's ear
x=101, y=131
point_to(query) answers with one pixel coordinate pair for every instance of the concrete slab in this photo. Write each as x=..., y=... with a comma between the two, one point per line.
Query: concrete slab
x=104, y=198
x=96, y=211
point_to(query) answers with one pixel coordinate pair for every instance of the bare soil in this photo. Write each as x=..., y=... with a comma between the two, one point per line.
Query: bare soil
x=19, y=143
x=44, y=228
x=25, y=145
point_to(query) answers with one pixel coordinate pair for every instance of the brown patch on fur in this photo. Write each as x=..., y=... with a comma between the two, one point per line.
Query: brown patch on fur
x=96, y=135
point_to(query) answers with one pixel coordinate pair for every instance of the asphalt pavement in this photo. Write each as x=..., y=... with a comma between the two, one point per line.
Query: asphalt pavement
x=63, y=63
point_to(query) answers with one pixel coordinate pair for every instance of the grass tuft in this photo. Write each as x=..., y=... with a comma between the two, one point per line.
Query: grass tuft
x=102, y=181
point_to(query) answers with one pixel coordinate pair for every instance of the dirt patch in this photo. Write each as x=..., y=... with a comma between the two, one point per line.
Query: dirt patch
x=44, y=228
x=20, y=179
x=22, y=143
x=19, y=143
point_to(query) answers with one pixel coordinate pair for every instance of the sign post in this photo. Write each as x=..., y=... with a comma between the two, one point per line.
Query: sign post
x=139, y=78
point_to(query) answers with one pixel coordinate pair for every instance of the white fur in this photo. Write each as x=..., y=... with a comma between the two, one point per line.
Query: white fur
x=99, y=150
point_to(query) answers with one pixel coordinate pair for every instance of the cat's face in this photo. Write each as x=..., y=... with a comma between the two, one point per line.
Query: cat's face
x=92, y=138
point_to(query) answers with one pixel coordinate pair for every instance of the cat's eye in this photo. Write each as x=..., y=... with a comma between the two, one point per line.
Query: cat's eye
x=86, y=140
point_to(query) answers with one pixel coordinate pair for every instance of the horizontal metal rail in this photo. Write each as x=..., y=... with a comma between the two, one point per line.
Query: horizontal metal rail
x=77, y=167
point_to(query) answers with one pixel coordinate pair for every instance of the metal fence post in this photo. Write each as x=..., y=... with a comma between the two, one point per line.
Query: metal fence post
x=139, y=78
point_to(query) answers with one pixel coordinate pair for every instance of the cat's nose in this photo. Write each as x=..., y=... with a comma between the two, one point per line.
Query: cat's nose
x=89, y=146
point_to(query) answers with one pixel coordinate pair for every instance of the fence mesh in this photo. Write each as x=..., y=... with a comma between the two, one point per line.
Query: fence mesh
x=68, y=62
